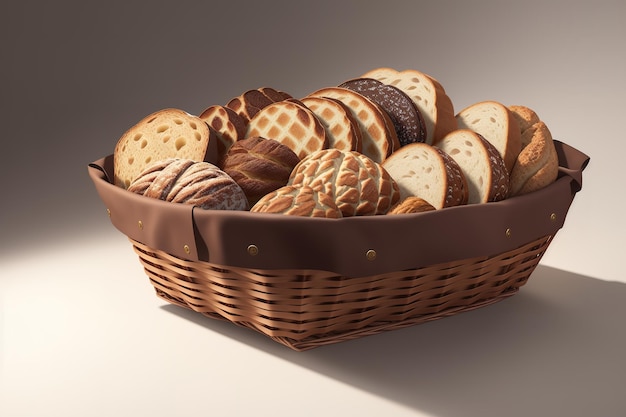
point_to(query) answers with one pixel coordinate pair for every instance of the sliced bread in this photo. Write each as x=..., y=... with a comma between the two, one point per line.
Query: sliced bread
x=167, y=133
x=428, y=95
x=481, y=163
x=496, y=123
x=424, y=171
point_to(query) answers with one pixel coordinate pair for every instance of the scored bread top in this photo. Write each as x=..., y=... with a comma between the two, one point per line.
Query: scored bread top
x=428, y=95
x=496, y=123
x=298, y=200
x=422, y=170
x=249, y=103
x=481, y=163
x=378, y=134
x=228, y=125
x=292, y=124
x=167, y=133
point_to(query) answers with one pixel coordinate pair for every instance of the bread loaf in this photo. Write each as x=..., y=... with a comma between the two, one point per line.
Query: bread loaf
x=298, y=201
x=424, y=171
x=248, y=104
x=228, y=125
x=481, y=163
x=537, y=164
x=167, y=133
x=358, y=185
x=411, y=205
x=259, y=166
x=190, y=182
x=496, y=123
x=428, y=95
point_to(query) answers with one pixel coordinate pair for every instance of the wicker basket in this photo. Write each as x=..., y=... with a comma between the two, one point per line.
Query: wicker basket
x=308, y=282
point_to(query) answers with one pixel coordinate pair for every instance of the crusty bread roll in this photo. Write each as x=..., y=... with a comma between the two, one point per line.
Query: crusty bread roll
x=481, y=163
x=411, y=205
x=358, y=185
x=292, y=124
x=427, y=93
x=422, y=170
x=496, y=123
x=537, y=164
x=298, y=201
x=259, y=166
x=167, y=133
x=379, y=135
x=190, y=182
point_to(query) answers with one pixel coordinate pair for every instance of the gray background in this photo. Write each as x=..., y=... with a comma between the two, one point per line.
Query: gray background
x=76, y=74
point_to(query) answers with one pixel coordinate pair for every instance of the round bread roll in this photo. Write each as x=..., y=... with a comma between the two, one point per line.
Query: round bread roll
x=187, y=181
x=259, y=166
x=411, y=205
x=298, y=201
x=358, y=185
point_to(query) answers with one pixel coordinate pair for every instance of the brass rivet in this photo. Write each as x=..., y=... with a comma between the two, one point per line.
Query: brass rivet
x=109, y=212
x=253, y=250
x=140, y=224
x=553, y=217
x=508, y=233
x=186, y=248
x=370, y=255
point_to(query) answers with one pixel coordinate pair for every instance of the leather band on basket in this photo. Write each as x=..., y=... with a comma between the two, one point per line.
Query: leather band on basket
x=356, y=246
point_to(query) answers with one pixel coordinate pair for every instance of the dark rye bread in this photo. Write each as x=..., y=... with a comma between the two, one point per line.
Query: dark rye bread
x=190, y=182
x=406, y=117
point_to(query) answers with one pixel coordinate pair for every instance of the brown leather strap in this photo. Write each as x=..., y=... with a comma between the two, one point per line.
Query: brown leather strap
x=356, y=246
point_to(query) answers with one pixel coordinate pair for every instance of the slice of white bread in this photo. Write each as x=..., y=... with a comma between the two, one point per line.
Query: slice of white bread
x=481, y=163
x=424, y=171
x=496, y=123
x=428, y=95
x=167, y=133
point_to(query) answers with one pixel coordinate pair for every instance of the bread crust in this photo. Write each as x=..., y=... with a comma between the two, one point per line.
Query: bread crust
x=298, y=201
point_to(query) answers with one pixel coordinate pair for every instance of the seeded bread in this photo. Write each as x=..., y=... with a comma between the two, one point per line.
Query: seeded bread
x=481, y=163
x=167, y=133
x=496, y=123
x=424, y=171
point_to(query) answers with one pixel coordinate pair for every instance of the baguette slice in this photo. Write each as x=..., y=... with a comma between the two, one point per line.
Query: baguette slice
x=428, y=95
x=481, y=163
x=424, y=171
x=496, y=123
x=167, y=133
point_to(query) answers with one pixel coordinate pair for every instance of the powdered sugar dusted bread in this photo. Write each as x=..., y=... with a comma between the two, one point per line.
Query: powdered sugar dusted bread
x=537, y=163
x=167, y=133
x=292, y=124
x=342, y=129
x=358, y=185
x=190, y=182
x=481, y=163
x=379, y=136
x=428, y=95
x=259, y=166
x=424, y=171
x=496, y=123
x=298, y=201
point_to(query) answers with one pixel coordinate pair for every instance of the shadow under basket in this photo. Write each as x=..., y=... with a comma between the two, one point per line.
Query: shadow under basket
x=307, y=282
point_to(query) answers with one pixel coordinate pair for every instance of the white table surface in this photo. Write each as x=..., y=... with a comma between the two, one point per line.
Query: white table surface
x=83, y=334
